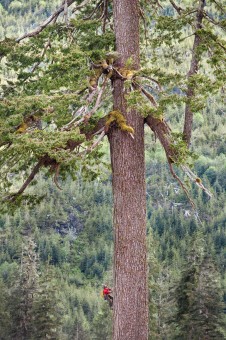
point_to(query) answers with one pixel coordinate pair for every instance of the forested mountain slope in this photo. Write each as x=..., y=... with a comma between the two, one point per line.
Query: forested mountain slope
x=72, y=231
x=60, y=251
x=17, y=16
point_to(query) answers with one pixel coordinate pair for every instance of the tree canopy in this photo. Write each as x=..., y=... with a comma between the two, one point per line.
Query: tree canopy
x=60, y=81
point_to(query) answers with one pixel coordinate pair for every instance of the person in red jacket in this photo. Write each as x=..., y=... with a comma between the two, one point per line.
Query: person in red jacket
x=107, y=295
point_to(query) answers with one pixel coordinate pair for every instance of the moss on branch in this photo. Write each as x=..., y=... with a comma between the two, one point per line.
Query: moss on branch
x=117, y=117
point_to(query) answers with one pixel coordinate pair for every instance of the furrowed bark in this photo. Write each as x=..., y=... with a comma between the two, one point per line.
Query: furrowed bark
x=129, y=192
x=193, y=70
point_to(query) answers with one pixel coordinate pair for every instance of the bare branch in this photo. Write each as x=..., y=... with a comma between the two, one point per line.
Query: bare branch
x=105, y=15
x=80, y=111
x=56, y=175
x=96, y=143
x=177, y=8
x=216, y=23
x=188, y=36
x=222, y=8
x=146, y=93
x=42, y=26
x=163, y=132
x=181, y=184
x=195, y=179
x=118, y=74
x=48, y=44
x=189, y=12
x=66, y=12
x=149, y=96
x=151, y=79
x=94, y=11
x=222, y=46
x=97, y=104
x=158, y=4
x=84, y=3
x=98, y=101
x=30, y=178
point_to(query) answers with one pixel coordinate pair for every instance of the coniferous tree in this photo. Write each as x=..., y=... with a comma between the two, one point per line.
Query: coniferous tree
x=199, y=297
x=5, y=320
x=102, y=324
x=22, y=295
x=47, y=311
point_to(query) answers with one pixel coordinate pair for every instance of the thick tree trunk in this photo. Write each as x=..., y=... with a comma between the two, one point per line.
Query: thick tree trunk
x=128, y=168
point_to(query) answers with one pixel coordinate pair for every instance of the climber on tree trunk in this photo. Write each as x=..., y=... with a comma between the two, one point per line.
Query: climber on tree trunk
x=106, y=294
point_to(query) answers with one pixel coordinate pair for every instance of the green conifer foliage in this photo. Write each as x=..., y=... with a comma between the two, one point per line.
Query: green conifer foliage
x=102, y=324
x=22, y=294
x=5, y=321
x=199, y=298
x=47, y=311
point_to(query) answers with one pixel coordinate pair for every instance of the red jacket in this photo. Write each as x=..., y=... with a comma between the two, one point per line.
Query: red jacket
x=106, y=291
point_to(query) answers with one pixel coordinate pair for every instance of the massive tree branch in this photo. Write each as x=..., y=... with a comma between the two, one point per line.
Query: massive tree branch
x=162, y=131
x=30, y=178
x=48, y=161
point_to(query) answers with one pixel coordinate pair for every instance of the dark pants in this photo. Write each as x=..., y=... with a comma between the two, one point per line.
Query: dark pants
x=109, y=298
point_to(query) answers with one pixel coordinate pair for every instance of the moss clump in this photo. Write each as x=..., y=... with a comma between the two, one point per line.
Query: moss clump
x=198, y=180
x=126, y=73
x=117, y=117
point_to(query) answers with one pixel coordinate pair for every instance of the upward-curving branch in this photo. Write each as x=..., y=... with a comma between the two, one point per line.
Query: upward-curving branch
x=53, y=17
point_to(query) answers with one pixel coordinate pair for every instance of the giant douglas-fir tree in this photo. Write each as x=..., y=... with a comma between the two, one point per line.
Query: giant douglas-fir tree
x=55, y=111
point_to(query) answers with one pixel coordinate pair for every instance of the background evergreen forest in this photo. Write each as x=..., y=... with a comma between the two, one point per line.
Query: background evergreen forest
x=55, y=256
x=17, y=16
x=69, y=236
